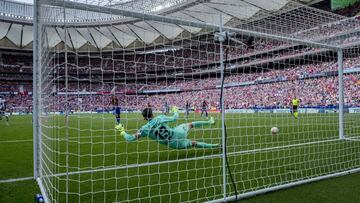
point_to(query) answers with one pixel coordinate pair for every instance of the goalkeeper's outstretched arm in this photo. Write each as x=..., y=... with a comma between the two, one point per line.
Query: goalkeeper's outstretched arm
x=128, y=137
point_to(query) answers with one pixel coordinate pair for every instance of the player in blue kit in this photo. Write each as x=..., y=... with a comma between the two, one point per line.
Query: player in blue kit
x=157, y=129
x=116, y=108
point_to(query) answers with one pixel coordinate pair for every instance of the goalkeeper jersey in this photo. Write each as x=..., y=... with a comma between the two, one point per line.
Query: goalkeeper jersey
x=158, y=129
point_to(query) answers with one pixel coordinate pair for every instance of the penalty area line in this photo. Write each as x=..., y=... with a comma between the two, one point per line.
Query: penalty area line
x=12, y=180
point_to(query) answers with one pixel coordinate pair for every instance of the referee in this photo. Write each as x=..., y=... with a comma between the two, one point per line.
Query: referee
x=295, y=105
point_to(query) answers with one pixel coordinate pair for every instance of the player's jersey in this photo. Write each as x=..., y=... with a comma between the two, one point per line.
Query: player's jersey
x=158, y=129
x=204, y=105
x=295, y=102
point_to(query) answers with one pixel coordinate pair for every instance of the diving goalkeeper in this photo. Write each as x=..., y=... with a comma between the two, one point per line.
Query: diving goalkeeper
x=157, y=129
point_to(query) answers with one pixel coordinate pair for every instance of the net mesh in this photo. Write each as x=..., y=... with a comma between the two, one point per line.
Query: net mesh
x=150, y=63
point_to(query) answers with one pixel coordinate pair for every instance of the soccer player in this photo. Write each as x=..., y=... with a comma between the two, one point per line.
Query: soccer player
x=295, y=105
x=187, y=110
x=116, y=108
x=204, y=108
x=158, y=129
x=166, y=108
x=3, y=111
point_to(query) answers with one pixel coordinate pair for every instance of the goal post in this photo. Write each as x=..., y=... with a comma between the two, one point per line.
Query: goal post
x=341, y=93
x=93, y=62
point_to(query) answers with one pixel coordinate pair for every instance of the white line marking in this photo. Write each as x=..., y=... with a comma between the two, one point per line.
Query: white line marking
x=11, y=180
x=14, y=141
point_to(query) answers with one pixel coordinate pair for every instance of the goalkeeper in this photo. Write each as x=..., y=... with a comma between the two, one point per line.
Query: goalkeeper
x=157, y=129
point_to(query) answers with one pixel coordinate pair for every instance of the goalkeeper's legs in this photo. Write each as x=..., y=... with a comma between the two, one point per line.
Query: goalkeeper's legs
x=201, y=123
x=180, y=140
x=203, y=144
x=182, y=130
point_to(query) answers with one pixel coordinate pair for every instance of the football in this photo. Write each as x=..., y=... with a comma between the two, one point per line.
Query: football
x=274, y=130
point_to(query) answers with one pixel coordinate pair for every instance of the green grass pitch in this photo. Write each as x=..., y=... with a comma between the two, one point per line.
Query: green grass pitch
x=257, y=158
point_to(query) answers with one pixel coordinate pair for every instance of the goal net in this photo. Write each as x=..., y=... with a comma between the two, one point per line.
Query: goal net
x=272, y=92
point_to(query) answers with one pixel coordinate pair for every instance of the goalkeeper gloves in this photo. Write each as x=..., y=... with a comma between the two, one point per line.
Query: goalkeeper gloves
x=120, y=128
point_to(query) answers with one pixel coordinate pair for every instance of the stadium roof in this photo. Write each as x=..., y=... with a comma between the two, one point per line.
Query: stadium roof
x=89, y=30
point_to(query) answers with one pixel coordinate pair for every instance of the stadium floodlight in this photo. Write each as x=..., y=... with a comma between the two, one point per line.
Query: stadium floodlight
x=281, y=113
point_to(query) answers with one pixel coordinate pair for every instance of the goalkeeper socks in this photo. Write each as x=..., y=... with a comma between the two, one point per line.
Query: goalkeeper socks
x=206, y=145
x=296, y=114
x=200, y=123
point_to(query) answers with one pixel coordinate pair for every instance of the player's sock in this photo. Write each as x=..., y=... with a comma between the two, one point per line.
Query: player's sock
x=118, y=119
x=202, y=123
x=296, y=114
x=206, y=145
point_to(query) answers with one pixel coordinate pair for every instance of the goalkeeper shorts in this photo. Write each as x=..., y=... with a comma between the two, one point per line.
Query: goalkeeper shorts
x=179, y=139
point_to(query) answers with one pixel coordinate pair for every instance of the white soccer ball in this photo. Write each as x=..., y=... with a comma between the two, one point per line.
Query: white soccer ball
x=274, y=130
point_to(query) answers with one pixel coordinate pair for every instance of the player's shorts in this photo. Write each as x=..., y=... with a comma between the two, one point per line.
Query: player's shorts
x=116, y=110
x=179, y=139
x=295, y=108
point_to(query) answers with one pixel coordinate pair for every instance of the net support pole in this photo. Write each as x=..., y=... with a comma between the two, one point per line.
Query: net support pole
x=341, y=93
x=35, y=91
x=223, y=141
